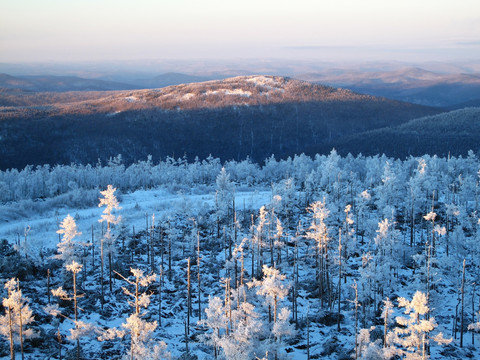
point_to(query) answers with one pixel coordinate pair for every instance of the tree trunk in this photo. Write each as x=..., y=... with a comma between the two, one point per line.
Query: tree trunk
x=75, y=309
x=160, y=297
x=463, y=298
x=10, y=328
x=189, y=297
x=102, y=298
x=356, y=319
x=308, y=336
x=93, y=250
x=152, y=241
x=110, y=269
x=339, y=276
x=198, y=278
x=48, y=285
x=170, y=255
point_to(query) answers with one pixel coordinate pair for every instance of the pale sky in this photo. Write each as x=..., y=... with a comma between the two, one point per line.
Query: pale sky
x=98, y=30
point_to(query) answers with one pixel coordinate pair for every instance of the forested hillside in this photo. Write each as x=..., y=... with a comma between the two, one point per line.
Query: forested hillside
x=453, y=133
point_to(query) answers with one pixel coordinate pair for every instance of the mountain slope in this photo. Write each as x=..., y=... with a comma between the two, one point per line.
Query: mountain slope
x=252, y=116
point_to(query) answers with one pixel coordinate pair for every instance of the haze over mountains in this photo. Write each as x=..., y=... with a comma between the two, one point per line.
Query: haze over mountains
x=411, y=84
x=451, y=85
x=59, y=83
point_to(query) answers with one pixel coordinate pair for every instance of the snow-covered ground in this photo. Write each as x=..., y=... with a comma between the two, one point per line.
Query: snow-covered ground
x=43, y=227
x=378, y=259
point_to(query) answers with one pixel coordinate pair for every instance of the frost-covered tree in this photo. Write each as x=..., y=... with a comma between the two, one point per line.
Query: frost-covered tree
x=387, y=255
x=386, y=315
x=285, y=189
x=259, y=240
x=319, y=233
x=238, y=341
x=416, y=190
x=237, y=329
x=349, y=231
x=330, y=171
x=282, y=328
x=272, y=286
x=111, y=204
x=362, y=202
x=81, y=328
x=413, y=334
x=17, y=316
x=216, y=320
x=367, y=349
x=388, y=191
x=142, y=343
x=22, y=247
x=223, y=197
x=69, y=250
x=66, y=248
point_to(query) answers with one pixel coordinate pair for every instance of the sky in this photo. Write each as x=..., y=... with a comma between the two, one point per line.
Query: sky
x=106, y=30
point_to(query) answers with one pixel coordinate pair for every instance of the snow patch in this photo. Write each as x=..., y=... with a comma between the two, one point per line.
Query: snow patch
x=238, y=92
x=187, y=96
x=131, y=98
x=114, y=113
x=264, y=81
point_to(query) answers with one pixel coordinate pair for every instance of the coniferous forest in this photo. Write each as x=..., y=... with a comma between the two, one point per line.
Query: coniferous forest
x=327, y=257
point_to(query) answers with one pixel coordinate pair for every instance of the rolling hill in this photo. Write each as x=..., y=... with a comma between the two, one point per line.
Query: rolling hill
x=254, y=116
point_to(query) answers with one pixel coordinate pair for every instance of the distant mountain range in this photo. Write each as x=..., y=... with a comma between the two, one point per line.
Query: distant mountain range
x=59, y=83
x=254, y=116
x=51, y=83
x=409, y=84
x=169, y=79
x=447, y=87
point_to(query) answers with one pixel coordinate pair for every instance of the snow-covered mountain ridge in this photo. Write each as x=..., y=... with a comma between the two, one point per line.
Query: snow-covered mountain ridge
x=237, y=91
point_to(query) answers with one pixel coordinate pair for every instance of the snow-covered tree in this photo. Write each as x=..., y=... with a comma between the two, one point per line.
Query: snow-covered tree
x=387, y=255
x=413, y=334
x=224, y=196
x=142, y=343
x=111, y=204
x=216, y=320
x=285, y=189
x=387, y=191
x=66, y=248
x=367, y=349
x=272, y=286
x=238, y=341
x=81, y=328
x=259, y=240
x=319, y=233
x=386, y=315
x=282, y=328
x=17, y=316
